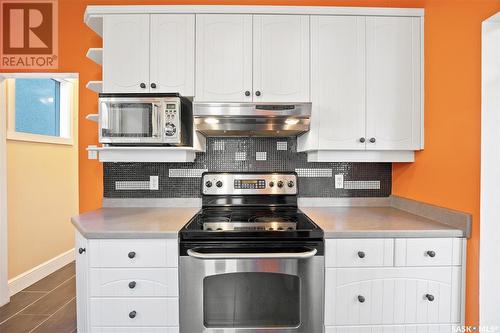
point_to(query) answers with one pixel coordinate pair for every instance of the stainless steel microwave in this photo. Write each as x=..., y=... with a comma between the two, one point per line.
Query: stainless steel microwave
x=145, y=119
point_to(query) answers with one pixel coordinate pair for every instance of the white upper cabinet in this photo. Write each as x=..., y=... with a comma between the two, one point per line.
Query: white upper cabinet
x=245, y=58
x=337, y=83
x=148, y=53
x=224, y=58
x=125, y=64
x=281, y=58
x=393, y=83
x=366, y=89
x=172, y=53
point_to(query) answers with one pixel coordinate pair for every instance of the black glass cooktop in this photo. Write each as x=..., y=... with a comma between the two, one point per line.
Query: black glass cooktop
x=250, y=223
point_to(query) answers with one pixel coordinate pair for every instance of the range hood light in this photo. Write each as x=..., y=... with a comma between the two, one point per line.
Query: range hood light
x=291, y=121
x=211, y=120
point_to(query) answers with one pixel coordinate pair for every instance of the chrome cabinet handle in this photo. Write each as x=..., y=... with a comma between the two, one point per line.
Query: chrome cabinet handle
x=153, y=85
x=131, y=255
x=257, y=93
x=429, y=297
x=431, y=254
x=142, y=85
x=247, y=93
x=361, y=299
x=362, y=140
x=81, y=250
x=372, y=140
x=361, y=254
x=132, y=284
x=132, y=314
x=300, y=255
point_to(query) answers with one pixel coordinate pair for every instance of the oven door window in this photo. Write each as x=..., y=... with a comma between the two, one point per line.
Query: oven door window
x=129, y=120
x=251, y=300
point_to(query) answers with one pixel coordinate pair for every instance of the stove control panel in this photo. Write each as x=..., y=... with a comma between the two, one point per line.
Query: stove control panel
x=249, y=184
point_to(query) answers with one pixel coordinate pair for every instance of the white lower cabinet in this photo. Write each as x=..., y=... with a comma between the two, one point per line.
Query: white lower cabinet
x=135, y=329
x=127, y=285
x=417, y=288
x=392, y=329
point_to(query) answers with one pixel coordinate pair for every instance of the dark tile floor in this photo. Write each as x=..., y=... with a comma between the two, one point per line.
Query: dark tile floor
x=48, y=306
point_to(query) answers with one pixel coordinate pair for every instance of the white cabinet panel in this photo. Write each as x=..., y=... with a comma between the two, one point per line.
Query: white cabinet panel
x=172, y=53
x=428, y=252
x=392, y=329
x=223, y=58
x=281, y=58
x=382, y=296
x=82, y=281
x=338, y=81
x=147, y=312
x=393, y=86
x=129, y=282
x=359, y=252
x=125, y=53
x=135, y=329
x=128, y=253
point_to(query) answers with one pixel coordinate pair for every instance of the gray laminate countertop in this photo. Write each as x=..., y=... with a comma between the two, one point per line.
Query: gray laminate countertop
x=133, y=222
x=375, y=222
x=394, y=217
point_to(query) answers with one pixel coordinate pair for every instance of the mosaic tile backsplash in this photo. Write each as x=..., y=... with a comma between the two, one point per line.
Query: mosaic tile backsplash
x=182, y=180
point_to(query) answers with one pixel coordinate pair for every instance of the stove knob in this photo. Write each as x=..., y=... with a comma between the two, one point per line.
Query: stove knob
x=271, y=184
x=290, y=183
x=280, y=184
x=208, y=183
x=218, y=184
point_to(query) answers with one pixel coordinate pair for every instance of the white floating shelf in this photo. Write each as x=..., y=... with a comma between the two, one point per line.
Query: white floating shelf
x=95, y=86
x=142, y=154
x=92, y=117
x=95, y=54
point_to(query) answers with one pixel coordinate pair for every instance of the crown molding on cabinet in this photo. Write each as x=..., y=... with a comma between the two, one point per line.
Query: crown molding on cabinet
x=93, y=14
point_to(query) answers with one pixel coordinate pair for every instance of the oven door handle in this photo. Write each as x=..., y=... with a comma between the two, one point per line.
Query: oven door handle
x=300, y=255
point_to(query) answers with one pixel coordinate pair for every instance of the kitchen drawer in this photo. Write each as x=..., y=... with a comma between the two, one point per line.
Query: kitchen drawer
x=115, y=312
x=132, y=282
x=359, y=252
x=385, y=296
x=391, y=329
x=135, y=329
x=428, y=251
x=129, y=253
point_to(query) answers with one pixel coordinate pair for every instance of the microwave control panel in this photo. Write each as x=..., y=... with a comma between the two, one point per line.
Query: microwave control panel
x=171, y=121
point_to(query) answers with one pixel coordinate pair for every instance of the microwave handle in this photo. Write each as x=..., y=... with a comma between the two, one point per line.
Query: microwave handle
x=155, y=119
x=300, y=255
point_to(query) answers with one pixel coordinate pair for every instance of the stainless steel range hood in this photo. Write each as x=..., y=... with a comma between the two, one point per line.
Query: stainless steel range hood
x=252, y=119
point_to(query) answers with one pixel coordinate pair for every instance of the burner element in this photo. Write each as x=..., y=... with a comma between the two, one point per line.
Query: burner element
x=249, y=226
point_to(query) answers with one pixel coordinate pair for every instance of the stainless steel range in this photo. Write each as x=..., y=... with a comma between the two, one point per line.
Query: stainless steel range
x=251, y=261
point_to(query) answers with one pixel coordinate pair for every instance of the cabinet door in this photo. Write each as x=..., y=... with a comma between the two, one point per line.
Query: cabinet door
x=281, y=58
x=385, y=296
x=125, y=63
x=172, y=54
x=82, y=282
x=223, y=58
x=394, y=76
x=338, y=80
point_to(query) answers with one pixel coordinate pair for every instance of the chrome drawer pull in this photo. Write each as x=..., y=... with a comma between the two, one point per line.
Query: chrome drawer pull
x=132, y=314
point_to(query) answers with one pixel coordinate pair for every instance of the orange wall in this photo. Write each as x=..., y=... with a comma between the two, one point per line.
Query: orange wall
x=446, y=173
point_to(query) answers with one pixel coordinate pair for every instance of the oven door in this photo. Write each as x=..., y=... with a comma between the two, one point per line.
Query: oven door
x=129, y=121
x=243, y=290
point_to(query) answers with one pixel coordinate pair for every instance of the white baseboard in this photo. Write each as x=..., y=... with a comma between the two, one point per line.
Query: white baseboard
x=26, y=279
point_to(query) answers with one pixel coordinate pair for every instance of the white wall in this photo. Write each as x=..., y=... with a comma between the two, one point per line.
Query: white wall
x=489, y=260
